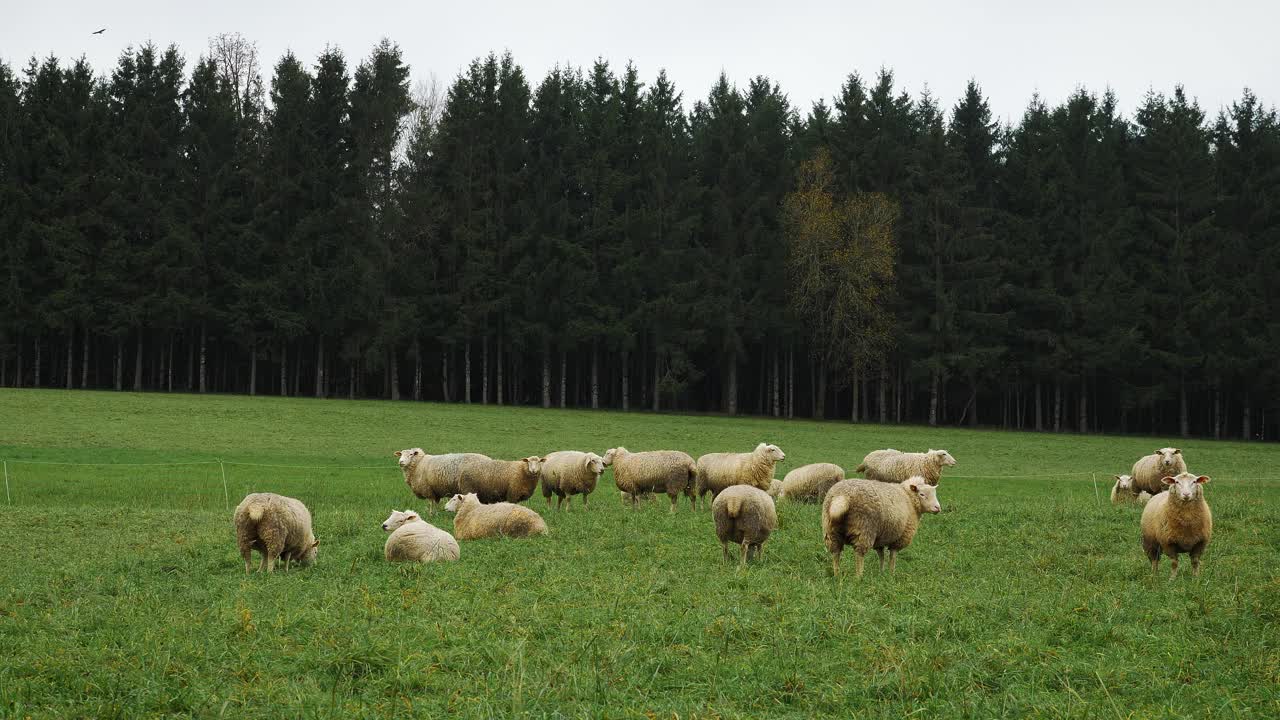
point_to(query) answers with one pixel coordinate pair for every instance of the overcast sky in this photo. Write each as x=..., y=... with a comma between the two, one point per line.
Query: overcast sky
x=1012, y=47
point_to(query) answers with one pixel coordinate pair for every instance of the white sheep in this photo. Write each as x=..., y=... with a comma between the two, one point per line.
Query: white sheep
x=499, y=480
x=276, y=526
x=775, y=488
x=893, y=466
x=1150, y=470
x=1177, y=520
x=566, y=473
x=413, y=539
x=639, y=475
x=474, y=520
x=1123, y=491
x=745, y=516
x=871, y=514
x=810, y=483
x=433, y=477
x=717, y=471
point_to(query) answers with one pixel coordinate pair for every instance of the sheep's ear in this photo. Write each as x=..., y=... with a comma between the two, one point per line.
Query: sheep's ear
x=316, y=543
x=1202, y=479
x=1167, y=480
x=914, y=487
x=1177, y=451
x=1117, y=477
x=397, y=453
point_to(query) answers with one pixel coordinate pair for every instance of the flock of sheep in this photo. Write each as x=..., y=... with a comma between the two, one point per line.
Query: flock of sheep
x=880, y=512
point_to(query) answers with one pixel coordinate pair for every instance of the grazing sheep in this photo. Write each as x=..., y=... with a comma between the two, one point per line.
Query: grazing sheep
x=745, y=516
x=1149, y=471
x=499, y=480
x=775, y=488
x=276, y=526
x=475, y=520
x=567, y=473
x=1177, y=521
x=870, y=514
x=810, y=483
x=1123, y=491
x=416, y=540
x=717, y=471
x=433, y=477
x=893, y=466
x=644, y=473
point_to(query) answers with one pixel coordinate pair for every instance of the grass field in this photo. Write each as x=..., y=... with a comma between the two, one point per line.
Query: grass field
x=122, y=594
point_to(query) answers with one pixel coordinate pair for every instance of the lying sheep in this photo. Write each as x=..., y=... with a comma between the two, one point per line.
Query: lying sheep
x=475, y=520
x=644, y=473
x=870, y=514
x=810, y=483
x=415, y=540
x=1177, y=521
x=276, y=526
x=1150, y=470
x=567, y=473
x=775, y=489
x=745, y=516
x=893, y=466
x=717, y=471
x=1123, y=491
x=433, y=477
x=499, y=480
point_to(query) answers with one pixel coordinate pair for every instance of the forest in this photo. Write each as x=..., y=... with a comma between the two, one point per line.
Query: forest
x=596, y=239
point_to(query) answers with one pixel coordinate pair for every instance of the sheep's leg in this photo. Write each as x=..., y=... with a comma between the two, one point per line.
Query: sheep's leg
x=835, y=562
x=1153, y=554
x=271, y=561
x=862, y=554
x=724, y=546
x=287, y=560
x=880, y=552
x=1172, y=552
x=1196, y=552
x=247, y=554
x=673, y=501
x=746, y=550
x=584, y=501
x=893, y=560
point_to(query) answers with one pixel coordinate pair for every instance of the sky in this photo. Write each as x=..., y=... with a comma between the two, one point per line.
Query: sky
x=1012, y=48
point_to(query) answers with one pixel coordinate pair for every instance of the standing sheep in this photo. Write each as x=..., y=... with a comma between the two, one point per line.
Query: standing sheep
x=433, y=477
x=810, y=483
x=416, y=540
x=1177, y=521
x=567, y=473
x=893, y=466
x=869, y=514
x=1123, y=491
x=1149, y=471
x=745, y=516
x=717, y=471
x=276, y=526
x=499, y=480
x=475, y=520
x=641, y=474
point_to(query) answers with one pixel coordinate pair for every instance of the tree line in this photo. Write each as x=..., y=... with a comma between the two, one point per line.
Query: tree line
x=586, y=241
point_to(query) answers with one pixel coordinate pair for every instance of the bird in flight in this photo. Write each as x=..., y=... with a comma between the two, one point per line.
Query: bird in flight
x=98, y=32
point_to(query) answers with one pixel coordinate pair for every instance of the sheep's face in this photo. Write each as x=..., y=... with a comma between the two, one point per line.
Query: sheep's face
x=1185, y=487
x=943, y=458
x=532, y=465
x=1124, y=482
x=773, y=452
x=308, y=556
x=458, y=501
x=610, y=454
x=924, y=494
x=410, y=457
x=398, y=518
x=1168, y=458
x=595, y=463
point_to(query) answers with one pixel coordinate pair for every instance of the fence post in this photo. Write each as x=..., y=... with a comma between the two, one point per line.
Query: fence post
x=7, y=497
x=1095, y=486
x=226, y=496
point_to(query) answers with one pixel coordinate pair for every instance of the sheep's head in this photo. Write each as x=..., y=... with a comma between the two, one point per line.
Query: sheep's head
x=611, y=454
x=595, y=463
x=942, y=457
x=308, y=556
x=410, y=457
x=458, y=501
x=398, y=518
x=773, y=452
x=1168, y=458
x=1124, y=482
x=532, y=464
x=1186, y=487
x=923, y=494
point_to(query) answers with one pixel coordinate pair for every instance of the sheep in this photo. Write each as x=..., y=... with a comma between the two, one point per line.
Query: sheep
x=1177, y=520
x=1123, y=492
x=775, y=489
x=1149, y=471
x=499, y=480
x=717, y=471
x=567, y=473
x=276, y=526
x=871, y=514
x=627, y=497
x=416, y=540
x=810, y=483
x=644, y=473
x=744, y=515
x=475, y=520
x=433, y=477
x=892, y=466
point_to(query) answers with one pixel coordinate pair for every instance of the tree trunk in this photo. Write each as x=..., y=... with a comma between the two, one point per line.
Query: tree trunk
x=320, y=387
x=1057, y=406
x=657, y=394
x=1217, y=414
x=466, y=373
x=897, y=392
x=775, y=390
x=731, y=388
x=137, y=365
x=546, y=376
x=284, y=369
x=564, y=367
x=972, y=405
x=1184, y=420
x=204, y=369
x=1084, y=406
x=484, y=370
x=417, y=370
x=395, y=374
x=37, y=364
x=1039, y=409
x=17, y=378
x=881, y=406
x=253, y=369
x=595, y=378
x=296, y=379
x=444, y=375
x=791, y=382
x=626, y=381
x=1246, y=419
x=820, y=396
x=71, y=358
x=500, y=366
x=854, y=397
x=933, y=397
x=119, y=363
x=169, y=378
x=351, y=381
